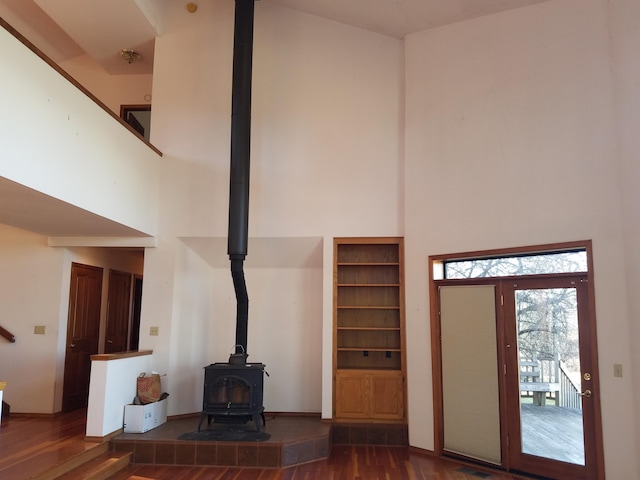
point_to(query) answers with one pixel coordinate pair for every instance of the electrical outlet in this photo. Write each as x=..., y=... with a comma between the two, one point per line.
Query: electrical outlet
x=39, y=329
x=617, y=370
x=154, y=331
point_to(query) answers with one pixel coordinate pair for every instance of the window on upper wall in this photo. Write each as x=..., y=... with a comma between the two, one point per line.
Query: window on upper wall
x=573, y=261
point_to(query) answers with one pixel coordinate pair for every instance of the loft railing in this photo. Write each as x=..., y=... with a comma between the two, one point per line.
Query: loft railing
x=70, y=79
x=7, y=334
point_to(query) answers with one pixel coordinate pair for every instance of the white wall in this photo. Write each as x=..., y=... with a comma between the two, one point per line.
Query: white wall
x=625, y=17
x=326, y=120
x=34, y=290
x=326, y=161
x=30, y=291
x=511, y=142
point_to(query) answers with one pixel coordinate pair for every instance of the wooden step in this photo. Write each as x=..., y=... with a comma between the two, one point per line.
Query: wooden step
x=99, y=468
x=72, y=462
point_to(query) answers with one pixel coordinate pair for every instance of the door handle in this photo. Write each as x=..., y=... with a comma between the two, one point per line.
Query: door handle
x=586, y=393
x=109, y=341
x=72, y=345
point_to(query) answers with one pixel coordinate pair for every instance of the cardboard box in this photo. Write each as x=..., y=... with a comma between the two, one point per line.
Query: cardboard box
x=142, y=418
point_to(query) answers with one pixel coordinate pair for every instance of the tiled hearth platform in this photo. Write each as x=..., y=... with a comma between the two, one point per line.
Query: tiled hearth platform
x=294, y=440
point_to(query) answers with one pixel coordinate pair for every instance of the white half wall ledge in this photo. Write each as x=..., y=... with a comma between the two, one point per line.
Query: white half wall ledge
x=112, y=386
x=122, y=242
x=262, y=252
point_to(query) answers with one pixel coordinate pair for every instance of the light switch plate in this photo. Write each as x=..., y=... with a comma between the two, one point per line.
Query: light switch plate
x=39, y=330
x=153, y=331
x=617, y=370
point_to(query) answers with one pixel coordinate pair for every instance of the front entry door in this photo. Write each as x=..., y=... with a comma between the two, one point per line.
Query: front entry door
x=83, y=328
x=519, y=387
x=551, y=381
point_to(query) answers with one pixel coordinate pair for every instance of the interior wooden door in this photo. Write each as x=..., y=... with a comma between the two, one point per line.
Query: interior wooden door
x=118, y=312
x=82, y=334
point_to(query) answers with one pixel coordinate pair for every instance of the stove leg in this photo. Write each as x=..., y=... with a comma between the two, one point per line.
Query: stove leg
x=256, y=419
x=201, y=420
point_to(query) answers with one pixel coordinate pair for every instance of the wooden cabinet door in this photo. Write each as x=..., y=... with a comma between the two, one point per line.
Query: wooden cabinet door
x=387, y=398
x=370, y=395
x=352, y=395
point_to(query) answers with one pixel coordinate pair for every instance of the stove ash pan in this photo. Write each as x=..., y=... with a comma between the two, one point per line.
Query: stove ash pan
x=233, y=393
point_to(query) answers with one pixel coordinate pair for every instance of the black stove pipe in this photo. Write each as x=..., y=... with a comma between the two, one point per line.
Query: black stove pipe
x=240, y=162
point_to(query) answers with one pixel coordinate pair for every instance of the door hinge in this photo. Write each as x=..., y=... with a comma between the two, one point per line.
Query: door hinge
x=502, y=300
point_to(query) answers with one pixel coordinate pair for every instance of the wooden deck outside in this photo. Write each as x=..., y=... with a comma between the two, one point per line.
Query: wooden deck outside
x=553, y=432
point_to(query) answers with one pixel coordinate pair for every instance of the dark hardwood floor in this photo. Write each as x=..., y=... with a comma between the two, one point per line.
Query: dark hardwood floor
x=346, y=462
x=31, y=445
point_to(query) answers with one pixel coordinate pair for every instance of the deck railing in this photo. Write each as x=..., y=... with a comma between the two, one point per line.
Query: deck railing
x=569, y=394
x=7, y=334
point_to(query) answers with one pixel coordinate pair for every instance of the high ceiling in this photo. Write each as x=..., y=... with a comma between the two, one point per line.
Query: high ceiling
x=65, y=29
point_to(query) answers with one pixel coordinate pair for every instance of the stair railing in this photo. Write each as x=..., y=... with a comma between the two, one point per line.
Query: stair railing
x=7, y=334
x=569, y=392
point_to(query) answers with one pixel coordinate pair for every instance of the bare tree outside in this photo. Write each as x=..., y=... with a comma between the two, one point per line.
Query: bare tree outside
x=563, y=262
x=547, y=318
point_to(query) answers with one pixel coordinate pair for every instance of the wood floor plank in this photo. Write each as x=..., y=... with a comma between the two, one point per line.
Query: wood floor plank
x=30, y=445
x=25, y=442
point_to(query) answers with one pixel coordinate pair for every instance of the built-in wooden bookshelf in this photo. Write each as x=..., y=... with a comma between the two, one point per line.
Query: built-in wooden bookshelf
x=369, y=328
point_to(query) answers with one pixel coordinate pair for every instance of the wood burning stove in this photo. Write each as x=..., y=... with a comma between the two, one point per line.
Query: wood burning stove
x=233, y=393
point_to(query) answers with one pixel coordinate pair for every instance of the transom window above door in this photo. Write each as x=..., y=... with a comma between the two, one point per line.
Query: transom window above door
x=574, y=261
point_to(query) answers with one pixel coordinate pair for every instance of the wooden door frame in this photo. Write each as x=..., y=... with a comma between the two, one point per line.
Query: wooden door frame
x=136, y=309
x=434, y=260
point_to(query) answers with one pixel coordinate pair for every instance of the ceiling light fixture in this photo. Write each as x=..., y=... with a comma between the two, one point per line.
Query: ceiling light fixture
x=130, y=55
